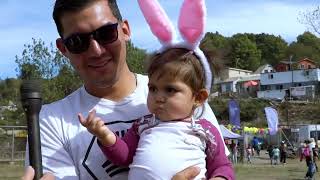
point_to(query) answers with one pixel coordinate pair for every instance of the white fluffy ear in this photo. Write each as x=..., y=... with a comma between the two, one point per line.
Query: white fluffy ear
x=158, y=20
x=192, y=20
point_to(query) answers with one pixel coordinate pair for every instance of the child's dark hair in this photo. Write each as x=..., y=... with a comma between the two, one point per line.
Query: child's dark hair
x=181, y=64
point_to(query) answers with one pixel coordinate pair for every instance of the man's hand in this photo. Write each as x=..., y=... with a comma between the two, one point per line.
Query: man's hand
x=217, y=178
x=29, y=175
x=96, y=126
x=187, y=174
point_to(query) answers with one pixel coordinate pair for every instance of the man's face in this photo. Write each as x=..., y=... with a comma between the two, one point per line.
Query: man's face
x=100, y=65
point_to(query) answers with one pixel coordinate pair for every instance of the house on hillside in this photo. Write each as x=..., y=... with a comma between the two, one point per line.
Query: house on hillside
x=249, y=85
x=290, y=79
x=278, y=85
x=228, y=78
x=240, y=81
x=264, y=69
x=306, y=63
x=283, y=66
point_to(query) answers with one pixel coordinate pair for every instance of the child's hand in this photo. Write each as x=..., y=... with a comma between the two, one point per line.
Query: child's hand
x=96, y=126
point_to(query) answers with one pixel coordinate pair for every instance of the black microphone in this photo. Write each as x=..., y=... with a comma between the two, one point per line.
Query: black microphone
x=31, y=102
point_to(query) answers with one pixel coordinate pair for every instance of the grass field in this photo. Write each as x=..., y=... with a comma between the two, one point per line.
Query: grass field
x=291, y=171
x=11, y=171
x=260, y=169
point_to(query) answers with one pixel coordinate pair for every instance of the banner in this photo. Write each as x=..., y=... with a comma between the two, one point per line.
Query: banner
x=272, y=118
x=234, y=113
x=298, y=91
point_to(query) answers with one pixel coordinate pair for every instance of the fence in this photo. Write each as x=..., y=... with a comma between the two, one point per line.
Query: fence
x=12, y=143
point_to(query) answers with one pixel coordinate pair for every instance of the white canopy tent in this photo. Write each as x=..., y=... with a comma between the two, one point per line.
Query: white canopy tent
x=227, y=134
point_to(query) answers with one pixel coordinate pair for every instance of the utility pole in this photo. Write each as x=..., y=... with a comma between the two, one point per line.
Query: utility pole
x=287, y=112
x=290, y=59
x=291, y=85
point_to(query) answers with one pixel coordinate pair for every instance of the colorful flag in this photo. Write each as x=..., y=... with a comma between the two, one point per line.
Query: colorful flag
x=234, y=113
x=272, y=118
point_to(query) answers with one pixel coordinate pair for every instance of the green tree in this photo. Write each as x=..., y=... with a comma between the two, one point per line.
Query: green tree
x=216, y=47
x=136, y=58
x=273, y=48
x=10, y=98
x=214, y=41
x=9, y=91
x=39, y=61
x=309, y=39
x=244, y=53
x=307, y=45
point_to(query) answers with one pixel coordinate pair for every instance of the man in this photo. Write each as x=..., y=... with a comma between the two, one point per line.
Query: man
x=256, y=145
x=93, y=38
x=283, y=152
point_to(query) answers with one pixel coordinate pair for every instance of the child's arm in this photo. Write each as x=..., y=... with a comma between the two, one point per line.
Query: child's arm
x=118, y=151
x=122, y=152
x=218, y=165
x=301, y=155
x=96, y=126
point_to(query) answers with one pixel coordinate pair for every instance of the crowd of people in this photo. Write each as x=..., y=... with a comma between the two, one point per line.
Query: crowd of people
x=277, y=153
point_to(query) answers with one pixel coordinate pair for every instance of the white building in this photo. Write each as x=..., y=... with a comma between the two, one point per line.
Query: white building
x=228, y=79
x=267, y=68
x=277, y=85
x=308, y=131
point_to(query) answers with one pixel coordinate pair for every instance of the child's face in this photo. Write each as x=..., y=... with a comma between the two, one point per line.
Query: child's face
x=169, y=99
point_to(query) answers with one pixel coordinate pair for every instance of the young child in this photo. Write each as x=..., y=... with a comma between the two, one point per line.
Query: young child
x=275, y=155
x=250, y=153
x=172, y=137
x=269, y=150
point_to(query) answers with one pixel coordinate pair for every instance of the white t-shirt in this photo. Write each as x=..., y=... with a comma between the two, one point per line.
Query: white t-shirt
x=183, y=148
x=70, y=151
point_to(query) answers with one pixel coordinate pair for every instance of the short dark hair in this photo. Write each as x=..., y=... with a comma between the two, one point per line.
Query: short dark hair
x=62, y=7
x=180, y=63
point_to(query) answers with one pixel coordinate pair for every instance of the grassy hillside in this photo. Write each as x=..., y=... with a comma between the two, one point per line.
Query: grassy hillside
x=252, y=111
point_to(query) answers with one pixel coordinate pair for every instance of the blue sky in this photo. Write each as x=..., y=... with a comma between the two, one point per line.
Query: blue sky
x=23, y=20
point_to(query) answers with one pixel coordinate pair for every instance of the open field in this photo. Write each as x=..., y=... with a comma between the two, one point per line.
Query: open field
x=260, y=169
x=293, y=170
x=10, y=171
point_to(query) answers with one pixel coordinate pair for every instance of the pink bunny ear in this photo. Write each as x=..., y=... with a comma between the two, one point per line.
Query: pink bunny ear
x=157, y=19
x=192, y=20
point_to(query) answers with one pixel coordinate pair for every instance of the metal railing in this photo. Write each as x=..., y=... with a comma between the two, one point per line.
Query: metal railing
x=12, y=143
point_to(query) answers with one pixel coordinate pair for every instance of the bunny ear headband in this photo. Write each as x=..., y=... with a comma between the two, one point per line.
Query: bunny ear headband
x=191, y=27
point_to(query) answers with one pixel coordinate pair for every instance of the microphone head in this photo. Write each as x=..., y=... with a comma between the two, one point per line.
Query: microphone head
x=30, y=89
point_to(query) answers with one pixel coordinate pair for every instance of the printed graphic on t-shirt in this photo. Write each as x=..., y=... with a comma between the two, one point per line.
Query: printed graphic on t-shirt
x=95, y=168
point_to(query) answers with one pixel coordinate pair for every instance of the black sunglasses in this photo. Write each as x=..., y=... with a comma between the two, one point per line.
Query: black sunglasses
x=78, y=43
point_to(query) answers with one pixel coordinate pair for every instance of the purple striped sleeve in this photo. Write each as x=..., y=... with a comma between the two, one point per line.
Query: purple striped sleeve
x=122, y=152
x=218, y=165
